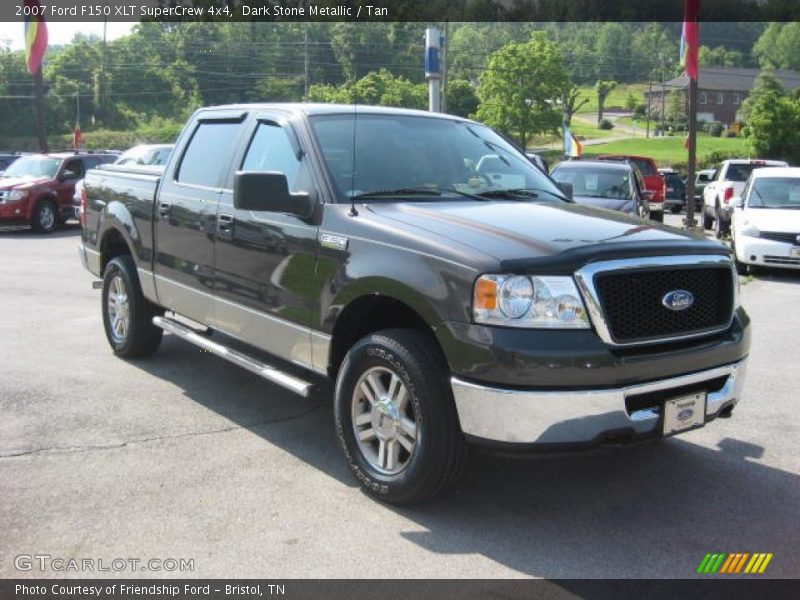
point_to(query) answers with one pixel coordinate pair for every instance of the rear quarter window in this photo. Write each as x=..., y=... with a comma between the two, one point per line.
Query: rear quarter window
x=646, y=167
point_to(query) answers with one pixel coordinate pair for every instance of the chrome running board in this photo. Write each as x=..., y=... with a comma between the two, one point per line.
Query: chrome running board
x=268, y=372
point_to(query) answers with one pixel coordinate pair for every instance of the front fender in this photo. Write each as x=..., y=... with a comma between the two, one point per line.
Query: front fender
x=436, y=289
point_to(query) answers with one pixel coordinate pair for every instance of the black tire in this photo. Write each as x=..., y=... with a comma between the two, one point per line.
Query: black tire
x=439, y=454
x=675, y=210
x=140, y=337
x=657, y=216
x=708, y=221
x=45, y=217
x=741, y=268
x=719, y=227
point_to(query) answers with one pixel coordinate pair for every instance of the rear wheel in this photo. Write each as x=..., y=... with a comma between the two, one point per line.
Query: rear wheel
x=708, y=220
x=675, y=209
x=719, y=227
x=396, y=419
x=45, y=217
x=127, y=314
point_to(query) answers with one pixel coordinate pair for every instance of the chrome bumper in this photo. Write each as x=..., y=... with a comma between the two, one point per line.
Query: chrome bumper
x=575, y=417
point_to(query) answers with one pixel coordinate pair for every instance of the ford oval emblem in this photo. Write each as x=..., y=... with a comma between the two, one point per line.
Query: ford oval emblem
x=685, y=414
x=678, y=300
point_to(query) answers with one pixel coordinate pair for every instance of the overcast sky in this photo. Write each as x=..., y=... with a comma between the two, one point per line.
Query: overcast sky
x=61, y=33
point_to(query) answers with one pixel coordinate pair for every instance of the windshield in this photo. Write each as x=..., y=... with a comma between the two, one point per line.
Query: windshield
x=597, y=182
x=450, y=159
x=775, y=192
x=33, y=167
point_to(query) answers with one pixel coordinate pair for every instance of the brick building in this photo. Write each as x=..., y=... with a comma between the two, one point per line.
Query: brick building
x=720, y=93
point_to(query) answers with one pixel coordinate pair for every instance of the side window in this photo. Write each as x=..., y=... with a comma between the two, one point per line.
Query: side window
x=73, y=170
x=271, y=150
x=208, y=153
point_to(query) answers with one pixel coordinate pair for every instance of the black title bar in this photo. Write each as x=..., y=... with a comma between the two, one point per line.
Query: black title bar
x=400, y=10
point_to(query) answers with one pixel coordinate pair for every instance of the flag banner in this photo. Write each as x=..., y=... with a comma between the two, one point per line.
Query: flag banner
x=35, y=35
x=572, y=147
x=689, y=37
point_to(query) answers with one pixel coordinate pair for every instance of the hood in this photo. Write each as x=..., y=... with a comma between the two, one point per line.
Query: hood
x=625, y=206
x=509, y=231
x=771, y=219
x=13, y=183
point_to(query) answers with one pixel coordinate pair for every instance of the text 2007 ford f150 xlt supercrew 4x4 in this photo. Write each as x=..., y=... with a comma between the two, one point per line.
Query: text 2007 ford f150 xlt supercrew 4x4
x=451, y=290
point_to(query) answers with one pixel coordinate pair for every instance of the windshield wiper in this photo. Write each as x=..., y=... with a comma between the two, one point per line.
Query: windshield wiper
x=409, y=191
x=528, y=192
x=416, y=191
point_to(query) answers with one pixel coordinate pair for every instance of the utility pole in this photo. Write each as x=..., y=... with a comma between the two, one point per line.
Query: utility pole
x=649, y=101
x=41, y=129
x=305, y=62
x=663, y=96
x=445, y=43
x=433, y=70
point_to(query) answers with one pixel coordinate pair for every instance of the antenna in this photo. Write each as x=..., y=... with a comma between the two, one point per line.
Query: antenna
x=353, y=211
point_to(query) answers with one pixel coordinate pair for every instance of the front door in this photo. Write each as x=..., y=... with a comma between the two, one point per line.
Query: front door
x=265, y=262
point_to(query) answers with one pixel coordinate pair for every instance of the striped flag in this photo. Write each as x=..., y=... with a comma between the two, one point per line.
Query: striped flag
x=690, y=37
x=572, y=147
x=35, y=36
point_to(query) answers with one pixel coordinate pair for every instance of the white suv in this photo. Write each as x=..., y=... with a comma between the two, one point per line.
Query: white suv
x=728, y=181
x=765, y=225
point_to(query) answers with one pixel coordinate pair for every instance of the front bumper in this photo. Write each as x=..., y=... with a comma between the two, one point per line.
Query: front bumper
x=766, y=253
x=569, y=417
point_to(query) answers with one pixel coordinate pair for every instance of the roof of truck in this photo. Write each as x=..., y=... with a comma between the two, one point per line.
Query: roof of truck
x=313, y=108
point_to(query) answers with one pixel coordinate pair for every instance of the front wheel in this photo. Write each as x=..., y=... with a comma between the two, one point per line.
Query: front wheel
x=45, y=217
x=396, y=419
x=127, y=314
x=708, y=220
x=719, y=226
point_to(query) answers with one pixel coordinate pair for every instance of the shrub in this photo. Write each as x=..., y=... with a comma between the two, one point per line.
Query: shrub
x=606, y=124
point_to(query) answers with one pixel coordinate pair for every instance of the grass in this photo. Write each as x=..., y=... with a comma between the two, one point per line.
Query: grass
x=617, y=97
x=668, y=150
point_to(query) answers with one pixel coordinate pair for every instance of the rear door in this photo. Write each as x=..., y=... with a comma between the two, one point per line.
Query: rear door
x=186, y=215
x=265, y=263
x=72, y=170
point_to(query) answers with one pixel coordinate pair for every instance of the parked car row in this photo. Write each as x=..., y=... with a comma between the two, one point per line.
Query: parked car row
x=43, y=190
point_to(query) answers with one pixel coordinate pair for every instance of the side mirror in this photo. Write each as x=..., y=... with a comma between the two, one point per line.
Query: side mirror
x=269, y=192
x=737, y=202
x=566, y=188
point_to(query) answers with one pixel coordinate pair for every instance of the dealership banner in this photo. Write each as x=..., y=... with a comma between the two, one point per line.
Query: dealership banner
x=394, y=10
x=349, y=589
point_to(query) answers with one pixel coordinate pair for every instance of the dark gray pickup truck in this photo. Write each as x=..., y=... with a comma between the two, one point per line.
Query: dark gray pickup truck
x=454, y=293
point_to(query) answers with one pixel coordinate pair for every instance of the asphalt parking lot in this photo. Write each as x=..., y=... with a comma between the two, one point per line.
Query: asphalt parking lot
x=186, y=456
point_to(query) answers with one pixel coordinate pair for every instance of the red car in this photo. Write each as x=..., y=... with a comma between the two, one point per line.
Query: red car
x=37, y=189
x=652, y=180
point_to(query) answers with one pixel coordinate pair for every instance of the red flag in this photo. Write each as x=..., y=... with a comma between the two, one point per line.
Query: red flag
x=690, y=41
x=35, y=36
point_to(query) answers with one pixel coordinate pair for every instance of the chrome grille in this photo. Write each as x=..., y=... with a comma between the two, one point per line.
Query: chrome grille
x=625, y=298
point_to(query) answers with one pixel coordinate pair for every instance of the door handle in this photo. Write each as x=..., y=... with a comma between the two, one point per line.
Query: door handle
x=163, y=209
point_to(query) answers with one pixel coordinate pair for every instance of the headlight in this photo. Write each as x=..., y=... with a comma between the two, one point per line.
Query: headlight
x=750, y=230
x=530, y=302
x=15, y=195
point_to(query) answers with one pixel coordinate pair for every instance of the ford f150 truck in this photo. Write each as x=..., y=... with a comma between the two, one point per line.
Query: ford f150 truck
x=451, y=290
x=37, y=189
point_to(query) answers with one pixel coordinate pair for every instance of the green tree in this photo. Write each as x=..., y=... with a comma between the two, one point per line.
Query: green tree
x=378, y=87
x=630, y=103
x=779, y=46
x=766, y=89
x=720, y=57
x=676, y=109
x=461, y=98
x=571, y=102
x=772, y=127
x=603, y=89
x=520, y=89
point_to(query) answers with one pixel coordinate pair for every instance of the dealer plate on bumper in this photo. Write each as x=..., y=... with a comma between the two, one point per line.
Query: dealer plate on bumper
x=686, y=412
